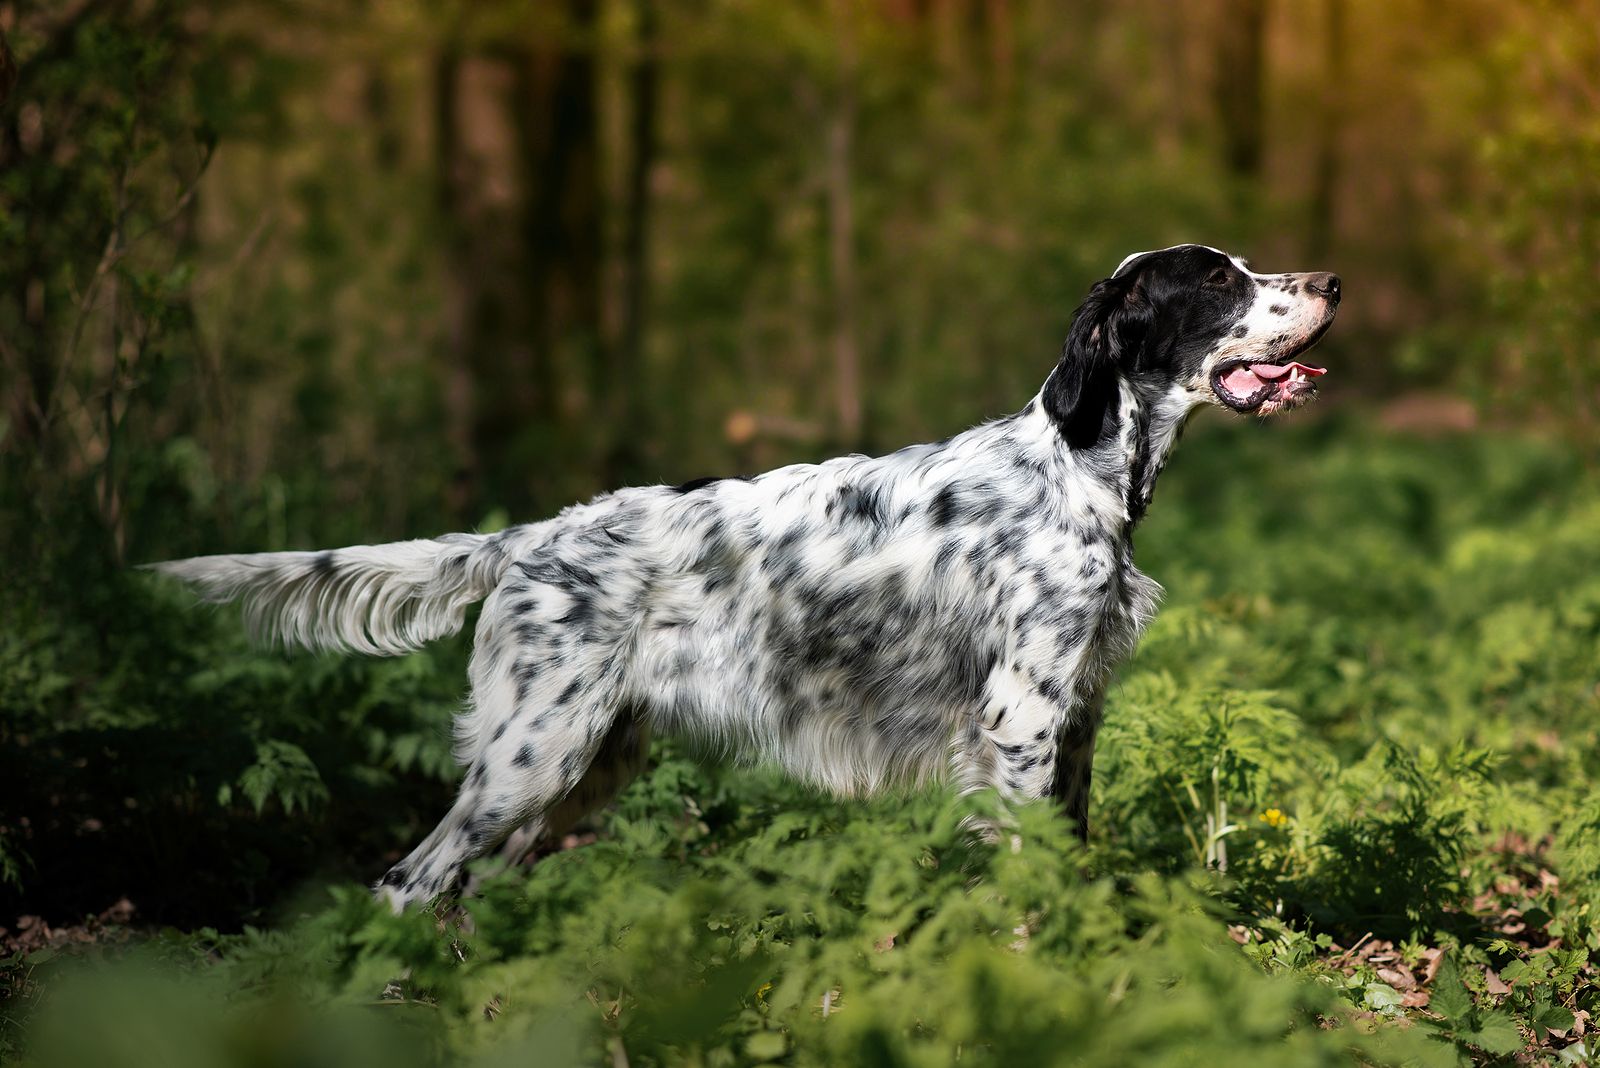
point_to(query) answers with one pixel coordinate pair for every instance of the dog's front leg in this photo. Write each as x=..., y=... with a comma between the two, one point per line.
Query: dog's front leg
x=1075, y=763
x=1033, y=737
x=1012, y=741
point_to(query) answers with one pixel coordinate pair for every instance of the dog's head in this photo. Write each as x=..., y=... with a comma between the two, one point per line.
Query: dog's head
x=1190, y=325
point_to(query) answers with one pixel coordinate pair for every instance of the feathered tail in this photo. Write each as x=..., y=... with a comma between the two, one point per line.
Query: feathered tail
x=381, y=599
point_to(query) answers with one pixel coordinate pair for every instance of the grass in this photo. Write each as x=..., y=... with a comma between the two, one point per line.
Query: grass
x=1347, y=808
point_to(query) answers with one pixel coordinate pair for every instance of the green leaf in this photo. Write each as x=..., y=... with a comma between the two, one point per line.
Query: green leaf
x=1496, y=1032
x=1531, y=971
x=1575, y=1054
x=282, y=770
x=1550, y=1018
x=1382, y=998
x=1449, y=997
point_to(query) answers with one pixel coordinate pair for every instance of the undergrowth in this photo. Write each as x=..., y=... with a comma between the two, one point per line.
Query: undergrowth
x=1346, y=809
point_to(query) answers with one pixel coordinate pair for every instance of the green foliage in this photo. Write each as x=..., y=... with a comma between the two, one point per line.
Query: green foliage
x=1185, y=758
x=1285, y=760
x=1393, y=838
x=1493, y=1031
x=1578, y=845
x=282, y=771
x=1532, y=98
x=855, y=936
x=144, y=737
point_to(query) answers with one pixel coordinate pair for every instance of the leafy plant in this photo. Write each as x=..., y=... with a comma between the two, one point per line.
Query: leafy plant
x=1470, y=1026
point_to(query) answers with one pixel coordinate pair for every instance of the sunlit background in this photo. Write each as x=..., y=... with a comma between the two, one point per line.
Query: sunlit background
x=293, y=274
x=393, y=267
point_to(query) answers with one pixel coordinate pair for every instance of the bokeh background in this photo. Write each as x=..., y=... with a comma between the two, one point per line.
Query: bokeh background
x=380, y=269
x=291, y=274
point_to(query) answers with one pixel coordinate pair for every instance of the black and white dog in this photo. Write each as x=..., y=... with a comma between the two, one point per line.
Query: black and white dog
x=951, y=609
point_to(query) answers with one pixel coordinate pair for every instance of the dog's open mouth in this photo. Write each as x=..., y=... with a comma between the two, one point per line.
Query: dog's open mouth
x=1266, y=387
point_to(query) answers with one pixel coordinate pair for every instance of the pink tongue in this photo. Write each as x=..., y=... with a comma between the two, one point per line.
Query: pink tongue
x=1273, y=371
x=1242, y=382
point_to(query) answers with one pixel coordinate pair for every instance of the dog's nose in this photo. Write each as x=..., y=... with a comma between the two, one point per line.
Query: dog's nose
x=1324, y=285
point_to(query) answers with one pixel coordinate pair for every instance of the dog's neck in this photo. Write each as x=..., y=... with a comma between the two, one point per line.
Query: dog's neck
x=1151, y=426
x=1139, y=434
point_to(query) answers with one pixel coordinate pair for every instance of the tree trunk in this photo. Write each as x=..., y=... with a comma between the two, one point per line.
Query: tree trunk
x=576, y=158
x=1325, y=182
x=562, y=227
x=518, y=163
x=841, y=238
x=1240, y=67
x=628, y=361
x=459, y=387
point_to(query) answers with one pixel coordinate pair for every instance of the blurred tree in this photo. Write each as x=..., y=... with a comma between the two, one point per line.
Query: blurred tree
x=626, y=392
x=8, y=68
x=517, y=155
x=848, y=225
x=1241, y=40
x=1533, y=221
x=841, y=132
x=561, y=147
x=1325, y=177
x=100, y=162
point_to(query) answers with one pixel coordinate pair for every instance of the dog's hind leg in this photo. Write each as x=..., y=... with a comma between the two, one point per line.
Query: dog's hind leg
x=525, y=780
x=622, y=756
x=545, y=701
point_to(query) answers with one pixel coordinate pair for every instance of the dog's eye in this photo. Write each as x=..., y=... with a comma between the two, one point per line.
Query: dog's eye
x=1217, y=277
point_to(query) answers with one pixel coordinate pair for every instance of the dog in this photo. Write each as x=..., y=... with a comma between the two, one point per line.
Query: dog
x=950, y=610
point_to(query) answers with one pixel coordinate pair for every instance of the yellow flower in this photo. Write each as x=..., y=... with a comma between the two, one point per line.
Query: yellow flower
x=1275, y=817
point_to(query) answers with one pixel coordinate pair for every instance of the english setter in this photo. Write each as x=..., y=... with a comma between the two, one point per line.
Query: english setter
x=949, y=609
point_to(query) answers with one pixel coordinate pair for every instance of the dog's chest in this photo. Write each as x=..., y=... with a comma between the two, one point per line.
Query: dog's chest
x=1106, y=603
x=1130, y=609
x=1129, y=612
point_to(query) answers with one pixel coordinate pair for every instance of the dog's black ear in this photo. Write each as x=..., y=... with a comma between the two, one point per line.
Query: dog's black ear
x=1107, y=331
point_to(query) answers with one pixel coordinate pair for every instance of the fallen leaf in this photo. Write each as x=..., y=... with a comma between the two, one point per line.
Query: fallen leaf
x=1376, y=948
x=1400, y=978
